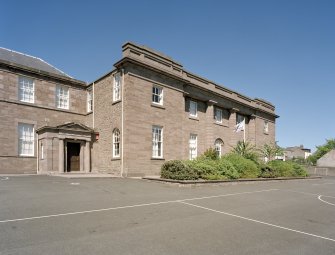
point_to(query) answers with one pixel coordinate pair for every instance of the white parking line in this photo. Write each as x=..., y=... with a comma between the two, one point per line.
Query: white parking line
x=260, y=222
x=131, y=206
x=319, y=197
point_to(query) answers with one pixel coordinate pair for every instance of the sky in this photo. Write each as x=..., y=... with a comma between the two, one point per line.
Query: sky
x=281, y=51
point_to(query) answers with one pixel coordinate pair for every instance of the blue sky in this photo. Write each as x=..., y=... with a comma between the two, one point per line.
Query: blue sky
x=282, y=51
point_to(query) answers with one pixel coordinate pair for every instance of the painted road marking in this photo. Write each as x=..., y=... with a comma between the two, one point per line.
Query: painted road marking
x=4, y=178
x=319, y=197
x=131, y=206
x=260, y=222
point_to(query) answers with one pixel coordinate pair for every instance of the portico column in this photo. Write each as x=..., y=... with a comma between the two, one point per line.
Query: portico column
x=87, y=157
x=61, y=156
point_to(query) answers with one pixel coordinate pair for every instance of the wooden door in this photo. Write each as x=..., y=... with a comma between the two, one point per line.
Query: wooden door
x=73, y=157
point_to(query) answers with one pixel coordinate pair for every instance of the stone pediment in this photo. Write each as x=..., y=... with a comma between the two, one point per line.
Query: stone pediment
x=74, y=126
x=66, y=128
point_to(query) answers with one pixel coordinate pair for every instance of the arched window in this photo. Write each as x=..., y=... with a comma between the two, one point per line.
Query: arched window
x=218, y=146
x=116, y=143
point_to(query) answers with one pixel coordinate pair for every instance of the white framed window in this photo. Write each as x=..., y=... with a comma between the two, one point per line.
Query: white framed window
x=117, y=87
x=239, y=118
x=157, y=95
x=26, y=139
x=218, y=147
x=89, y=101
x=116, y=143
x=62, y=97
x=193, y=108
x=266, y=127
x=26, y=89
x=193, y=146
x=218, y=115
x=42, y=151
x=157, y=142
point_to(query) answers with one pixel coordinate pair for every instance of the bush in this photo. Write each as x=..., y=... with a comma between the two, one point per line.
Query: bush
x=299, y=170
x=287, y=169
x=246, y=168
x=202, y=167
x=210, y=154
x=177, y=170
x=267, y=171
x=226, y=168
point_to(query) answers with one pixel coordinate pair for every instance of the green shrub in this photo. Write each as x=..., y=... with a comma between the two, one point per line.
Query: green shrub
x=177, y=170
x=299, y=170
x=246, y=168
x=267, y=171
x=287, y=168
x=202, y=167
x=226, y=168
x=210, y=154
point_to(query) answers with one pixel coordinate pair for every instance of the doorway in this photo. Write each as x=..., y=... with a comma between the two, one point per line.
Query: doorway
x=73, y=157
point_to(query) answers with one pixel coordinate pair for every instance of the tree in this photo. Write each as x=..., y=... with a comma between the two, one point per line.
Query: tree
x=246, y=150
x=270, y=151
x=322, y=150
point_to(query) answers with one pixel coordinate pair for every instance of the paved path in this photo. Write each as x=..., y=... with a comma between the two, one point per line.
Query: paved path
x=53, y=215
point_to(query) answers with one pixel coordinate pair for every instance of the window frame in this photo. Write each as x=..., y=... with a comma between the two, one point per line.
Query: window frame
x=25, y=140
x=241, y=117
x=89, y=101
x=23, y=83
x=116, y=143
x=60, y=95
x=266, y=127
x=218, y=147
x=195, y=104
x=160, y=95
x=117, y=85
x=194, y=143
x=157, y=144
x=216, y=110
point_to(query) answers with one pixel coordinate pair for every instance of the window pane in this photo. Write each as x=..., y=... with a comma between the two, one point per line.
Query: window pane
x=26, y=139
x=193, y=108
x=157, y=142
x=26, y=89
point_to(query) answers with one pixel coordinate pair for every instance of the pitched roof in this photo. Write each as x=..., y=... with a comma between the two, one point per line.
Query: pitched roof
x=18, y=58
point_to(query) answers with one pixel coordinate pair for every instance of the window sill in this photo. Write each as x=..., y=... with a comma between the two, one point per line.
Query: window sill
x=266, y=133
x=116, y=102
x=220, y=124
x=27, y=156
x=152, y=158
x=116, y=158
x=158, y=106
x=193, y=118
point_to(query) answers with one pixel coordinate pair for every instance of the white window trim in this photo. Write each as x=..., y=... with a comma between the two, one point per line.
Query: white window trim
x=218, y=147
x=58, y=97
x=117, y=89
x=193, y=142
x=160, y=96
x=116, y=131
x=154, y=149
x=21, y=139
x=221, y=112
x=22, y=87
x=266, y=127
x=89, y=101
x=42, y=151
x=196, y=108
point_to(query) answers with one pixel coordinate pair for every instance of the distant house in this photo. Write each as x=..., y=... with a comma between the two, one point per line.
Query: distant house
x=297, y=152
x=327, y=160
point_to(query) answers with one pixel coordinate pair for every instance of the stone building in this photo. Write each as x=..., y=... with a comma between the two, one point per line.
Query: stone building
x=145, y=111
x=297, y=152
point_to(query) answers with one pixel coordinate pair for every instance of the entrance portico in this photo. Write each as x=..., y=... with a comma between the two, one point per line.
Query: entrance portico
x=64, y=148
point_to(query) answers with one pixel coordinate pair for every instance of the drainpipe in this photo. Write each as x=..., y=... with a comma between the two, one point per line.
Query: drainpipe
x=93, y=103
x=122, y=130
x=37, y=163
